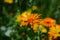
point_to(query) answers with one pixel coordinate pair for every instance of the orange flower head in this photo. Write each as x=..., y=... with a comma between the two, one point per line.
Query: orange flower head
x=30, y=19
x=48, y=22
x=55, y=31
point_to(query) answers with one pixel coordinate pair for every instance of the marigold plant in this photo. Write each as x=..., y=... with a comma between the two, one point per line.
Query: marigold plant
x=30, y=20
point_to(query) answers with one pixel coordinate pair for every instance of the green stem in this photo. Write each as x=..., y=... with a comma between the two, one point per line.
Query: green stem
x=47, y=33
x=38, y=36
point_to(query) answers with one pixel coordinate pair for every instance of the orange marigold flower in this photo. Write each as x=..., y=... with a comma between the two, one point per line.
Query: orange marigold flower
x=54, y=31
x=52, y=34
x=30, y=19
x=48, y=22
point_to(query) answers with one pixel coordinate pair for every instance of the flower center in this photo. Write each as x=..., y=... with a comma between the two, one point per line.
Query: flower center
x=47, y=22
